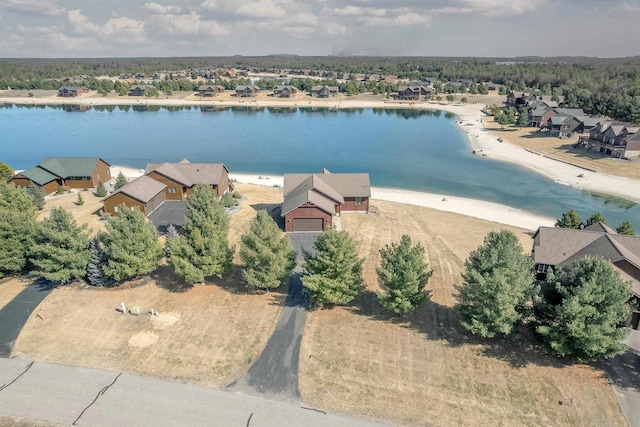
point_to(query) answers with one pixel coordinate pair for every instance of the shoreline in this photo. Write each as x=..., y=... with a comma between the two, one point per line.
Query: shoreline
x=469, y=120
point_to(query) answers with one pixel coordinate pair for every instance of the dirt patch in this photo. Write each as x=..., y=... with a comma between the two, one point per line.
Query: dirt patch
x=164, y=320
x=423, y=368
x=143, y=339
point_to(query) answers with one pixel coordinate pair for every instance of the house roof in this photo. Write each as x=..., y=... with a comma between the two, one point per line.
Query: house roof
x=189, y=174
x=563, y=247
x=559, y=119
x=589, y=121
x=573, y=112
x=601, y=227
x=143, y=189
x=71, y=88
x=140, y=87
x=311, y=191
x=320, y=87
x=245, y=87
x=38, y=175
x=539, y=111
x=65, y=167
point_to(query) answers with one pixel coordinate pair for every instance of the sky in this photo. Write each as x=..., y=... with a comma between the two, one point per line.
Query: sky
x=489, y=28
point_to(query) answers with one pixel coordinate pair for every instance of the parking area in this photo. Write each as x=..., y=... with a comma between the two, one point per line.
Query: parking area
x=169, y=212
x=300, y=241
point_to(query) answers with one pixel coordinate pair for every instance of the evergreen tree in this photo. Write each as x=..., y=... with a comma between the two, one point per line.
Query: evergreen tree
x=80, y=200
x=402, y=275
x=334, y=274
x=625, y=228
x=60, y=251
x=5, y=172
x=171, y=234
x=95, y=268
x=121, y=180
x=203, y=250
x=37, y=195
x=596, y=218
x=101, y=190
x=17, y=227
x=131, y=244
x=497, y=284
x=523, y=118
x=266, y=253
x=579, y=311
x=569, y=219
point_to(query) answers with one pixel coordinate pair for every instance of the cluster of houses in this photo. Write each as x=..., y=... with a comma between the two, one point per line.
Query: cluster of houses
x=609, y=137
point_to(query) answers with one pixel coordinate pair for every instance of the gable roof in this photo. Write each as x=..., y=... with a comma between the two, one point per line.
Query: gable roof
x=570, y=111
x=142, y=189
x=65, y=167
x=189, y=174
x=38, y=175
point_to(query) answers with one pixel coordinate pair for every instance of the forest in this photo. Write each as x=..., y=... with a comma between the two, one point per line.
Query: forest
x=600, y=86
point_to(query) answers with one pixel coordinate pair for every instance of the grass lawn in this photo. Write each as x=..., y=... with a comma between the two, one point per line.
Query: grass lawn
x=206, y=334
x=423, y=368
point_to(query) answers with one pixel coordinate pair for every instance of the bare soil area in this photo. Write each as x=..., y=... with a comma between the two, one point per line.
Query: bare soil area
x=423, y=368
x=563, y=150
x=206, y=334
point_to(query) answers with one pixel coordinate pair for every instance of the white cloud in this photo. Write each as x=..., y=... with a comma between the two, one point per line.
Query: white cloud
x=185, y=24
x=47, y=7
x=80, y=23
x=257, y=9
x=158, y=8
x=493, y=7
x=124, y=30
x=412, y=18
x=356, y=11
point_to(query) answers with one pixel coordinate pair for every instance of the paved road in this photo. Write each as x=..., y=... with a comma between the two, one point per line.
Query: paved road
x=275, y=372
x=90, y=397
x=14, y=315
x=624, y=373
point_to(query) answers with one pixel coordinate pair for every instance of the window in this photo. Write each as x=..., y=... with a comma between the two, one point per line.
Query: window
x=133, y=208
x=172, y=190
x=115, y=209
x=358, y=201
x=542, y=268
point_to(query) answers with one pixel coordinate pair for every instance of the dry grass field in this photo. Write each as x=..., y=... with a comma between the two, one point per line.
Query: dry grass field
x=88, y=213
x=562, y=149
x=423, y=369
x=206, y=334
x=10, y=287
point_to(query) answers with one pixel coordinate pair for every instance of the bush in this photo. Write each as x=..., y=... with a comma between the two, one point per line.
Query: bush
x=59, y=190
x=237, y=195
x=80, y=200
x=101, y=190
x=228, y=200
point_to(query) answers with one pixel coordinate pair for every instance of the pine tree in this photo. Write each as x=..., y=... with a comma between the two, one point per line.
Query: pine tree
x=267, y=254
x=95, y=268
x=131, y=244
x=17, y=227
x=579, y=310
x=203, y=250
x=569, y=219
x=60, y=251
x=171, y=235
x=596, y=218
x=80, y=200
x=121, y=180
x=523, y=118
x=402, y=275
x=625, y=228
x=497, y=284
x=101, y=190
x=37, y=195
x=5, y=172
x=334, y=274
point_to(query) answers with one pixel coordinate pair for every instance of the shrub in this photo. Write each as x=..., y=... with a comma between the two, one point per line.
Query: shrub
x=228, y=200
x=101, y=190
x=80, y=200
x=237, y=195
x=59, y=190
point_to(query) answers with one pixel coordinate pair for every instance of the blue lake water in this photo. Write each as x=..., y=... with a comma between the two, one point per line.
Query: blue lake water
x=415, y=150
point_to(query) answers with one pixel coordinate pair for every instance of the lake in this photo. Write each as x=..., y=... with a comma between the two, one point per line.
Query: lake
x=411, y=149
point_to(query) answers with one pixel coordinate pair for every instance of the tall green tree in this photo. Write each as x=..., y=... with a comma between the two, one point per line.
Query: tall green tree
x=121, y=181
x=203, y=250
x=596, y=218
x=523, y=118
x=497, y=284
x=334, y=274
x=131, y=244
x=17, y=227
x=37, y=195
x=569, y=219
x=95, y=268
x=60, y=250
x=267, y=254
x=625, y=228
x=5, y=172
x=402, y=274
x=580, y=310
x=101, y=190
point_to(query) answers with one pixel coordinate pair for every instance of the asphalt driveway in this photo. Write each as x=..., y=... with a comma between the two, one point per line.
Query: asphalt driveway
x=300, y=241
x=169, y=212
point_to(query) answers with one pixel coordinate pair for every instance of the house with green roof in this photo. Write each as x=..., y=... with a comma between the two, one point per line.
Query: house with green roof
x=70, y=172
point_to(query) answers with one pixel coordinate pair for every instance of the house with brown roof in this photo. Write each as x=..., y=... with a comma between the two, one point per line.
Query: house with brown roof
x=614, y=138
x=143, y=193
x=180, y=178
x=210, y=90
x=312, y=200
x=139, y=90
x=246, y=91
x=72, y=91
x=71, y=172
x=284, y=91
x=320, y=91
x=519, y=99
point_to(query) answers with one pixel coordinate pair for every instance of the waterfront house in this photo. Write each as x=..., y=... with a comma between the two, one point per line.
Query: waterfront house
x=180, y=178
x=319, y=91
x=284, y=91
x=312, y=200
x=614, y=138
x=72, y=91
x=70, y=172
x=555, y=248
x=519, y=99
x=246, y=91
x=143, y=193
x=210, y=90
x=139, y=90
x=408, y=93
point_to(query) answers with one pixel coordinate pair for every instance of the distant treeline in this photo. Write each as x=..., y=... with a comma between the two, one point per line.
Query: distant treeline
x=609, y=87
